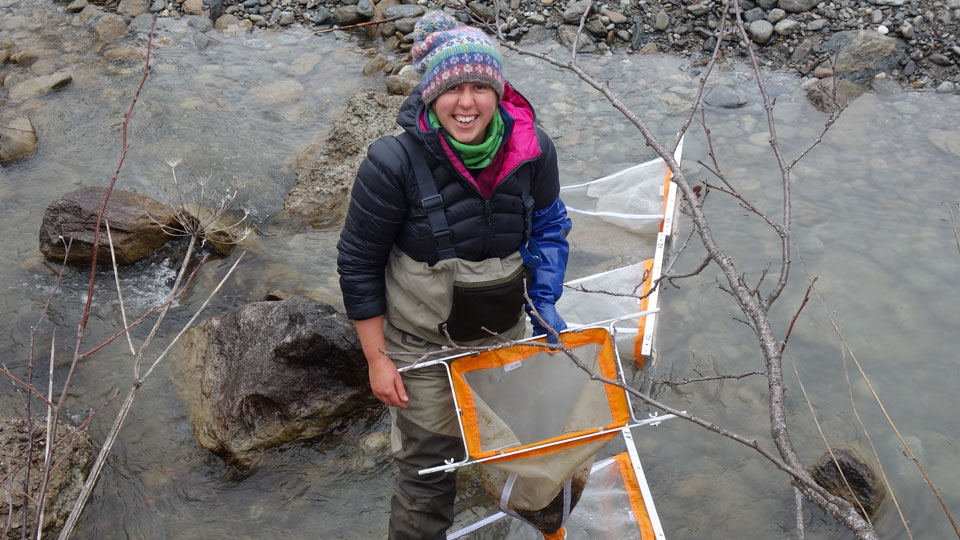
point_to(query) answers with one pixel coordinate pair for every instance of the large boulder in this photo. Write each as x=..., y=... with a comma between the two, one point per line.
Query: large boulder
x=136, y=224
x=267, y=373
x=326, y=171
x=65, y=482
x=18, y=139
x=862, y=54
x=857, y=473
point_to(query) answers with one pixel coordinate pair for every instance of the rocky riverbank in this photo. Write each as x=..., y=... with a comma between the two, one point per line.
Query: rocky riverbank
x=796, y=34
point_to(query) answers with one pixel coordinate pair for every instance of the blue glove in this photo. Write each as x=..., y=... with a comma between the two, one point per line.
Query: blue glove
x=549, y=314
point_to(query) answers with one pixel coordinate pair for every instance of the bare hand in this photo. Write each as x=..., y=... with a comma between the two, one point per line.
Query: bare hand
x=386, y=382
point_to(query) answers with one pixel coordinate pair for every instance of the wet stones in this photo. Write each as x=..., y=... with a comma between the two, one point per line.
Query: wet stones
x=136, y=224
x=268, y=373
x=66, y=480
x=325, y=174
x=18, y=139
x=864, y=54
x=132, y=8
x=110, y=27
x=760, y=31
x=867, y=489
x=38, y=86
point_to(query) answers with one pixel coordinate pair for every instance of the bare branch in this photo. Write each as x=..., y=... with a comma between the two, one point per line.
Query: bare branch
x=704, y=379
x=116, y=278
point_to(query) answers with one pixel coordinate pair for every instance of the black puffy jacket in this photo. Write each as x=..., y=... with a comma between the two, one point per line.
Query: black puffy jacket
x=385, y=208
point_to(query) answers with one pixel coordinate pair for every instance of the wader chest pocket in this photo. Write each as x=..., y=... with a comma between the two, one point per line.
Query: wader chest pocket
x=494, y=305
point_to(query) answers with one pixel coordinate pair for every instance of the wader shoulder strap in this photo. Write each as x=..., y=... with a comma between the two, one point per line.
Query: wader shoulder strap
x=431, y=200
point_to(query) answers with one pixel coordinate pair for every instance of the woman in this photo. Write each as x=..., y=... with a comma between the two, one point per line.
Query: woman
x=449, y=223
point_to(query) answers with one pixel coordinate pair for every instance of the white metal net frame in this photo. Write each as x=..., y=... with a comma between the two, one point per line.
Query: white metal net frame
x=451, y=463
x=628, y=519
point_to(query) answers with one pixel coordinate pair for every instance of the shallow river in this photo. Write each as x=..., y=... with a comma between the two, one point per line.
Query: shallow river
x=868, y=221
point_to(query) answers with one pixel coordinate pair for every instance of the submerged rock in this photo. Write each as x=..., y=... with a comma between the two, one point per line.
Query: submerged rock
x=326, y=171
x=267, y=373
x=136, y=224
x=866, y=485
x=37, y=86
x=65, y=482
x=18, y=139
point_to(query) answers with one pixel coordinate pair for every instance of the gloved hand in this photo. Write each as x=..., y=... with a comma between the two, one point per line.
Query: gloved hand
x=548, y=312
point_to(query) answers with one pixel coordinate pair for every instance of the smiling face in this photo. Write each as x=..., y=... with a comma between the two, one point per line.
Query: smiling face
x=465, y=111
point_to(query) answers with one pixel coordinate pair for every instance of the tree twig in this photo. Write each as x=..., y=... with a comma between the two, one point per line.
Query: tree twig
x=359, y=25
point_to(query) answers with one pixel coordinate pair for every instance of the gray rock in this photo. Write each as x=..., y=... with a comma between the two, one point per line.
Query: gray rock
x=200, y=24
x=375, y=65
x=76, y=6
x=39, y=86
x=801, y=52
x=786, y=27
x=760, y=31
x=698, y=9
x=596, y=28
x=483, y=11
x=157, y=6
x=953, y=4
x=876, y=17
x=201, y=41
x=767, y=4
x=406, y=25
x=776, y=15
x=18, y=139
x=725, y=97
x=326, y=170
x=816, y=25
x=537, y=34
x=819, y=93
x=346, y=15
x=939, y=59
x=615, y=16
x=322, y=15
x=566, y=33
x=132, y=8
x=754, y=14
x=225, y=21
x=64, y=485
x=135, y=233
x=906, y=30
x=797, y=6
x=910, y=68
x=403, y=10
x=857, y=473
x=365, y=8
x=268, y=373
x=946, y=87
x=661, y=21
x=110, y=27
x=400, y=85
x=575, y=11
x=948, y=141
x=888, y=2
x=286, y=18
x=141, y=23
x=863, y=54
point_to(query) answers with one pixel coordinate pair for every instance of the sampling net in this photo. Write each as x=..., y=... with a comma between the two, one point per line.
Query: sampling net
x=535, y=418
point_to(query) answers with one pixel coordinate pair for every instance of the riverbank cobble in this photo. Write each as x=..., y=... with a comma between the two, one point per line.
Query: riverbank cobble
x=794, y=34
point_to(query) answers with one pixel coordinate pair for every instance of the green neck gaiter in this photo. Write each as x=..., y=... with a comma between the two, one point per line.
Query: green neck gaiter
x=479, y=156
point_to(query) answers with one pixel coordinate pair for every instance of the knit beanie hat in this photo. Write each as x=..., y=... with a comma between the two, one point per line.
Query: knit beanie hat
x=448, y=54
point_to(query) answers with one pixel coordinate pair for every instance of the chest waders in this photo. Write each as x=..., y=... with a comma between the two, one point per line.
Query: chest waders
x=425, y=304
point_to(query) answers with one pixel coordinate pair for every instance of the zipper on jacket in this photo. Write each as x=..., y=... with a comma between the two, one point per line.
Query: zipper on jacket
x=488, y=211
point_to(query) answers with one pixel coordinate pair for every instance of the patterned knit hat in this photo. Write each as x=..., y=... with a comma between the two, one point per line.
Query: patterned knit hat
x=447, y=55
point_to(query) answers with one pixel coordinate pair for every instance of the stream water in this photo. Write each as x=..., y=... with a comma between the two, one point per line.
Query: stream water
x=869, y=222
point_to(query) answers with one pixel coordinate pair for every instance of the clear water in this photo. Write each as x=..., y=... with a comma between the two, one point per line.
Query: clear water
x=868, y=221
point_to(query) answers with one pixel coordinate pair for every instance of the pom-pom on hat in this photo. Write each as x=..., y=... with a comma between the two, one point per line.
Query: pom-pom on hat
x=448, y=54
